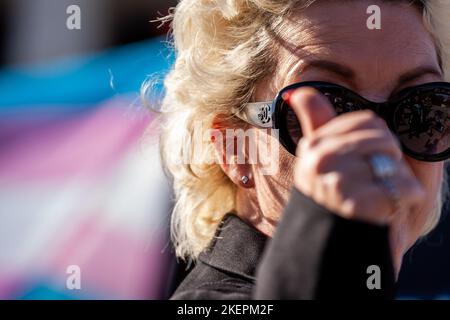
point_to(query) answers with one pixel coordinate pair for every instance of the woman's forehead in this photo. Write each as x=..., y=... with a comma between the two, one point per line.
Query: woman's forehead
x=341, y=25
x=338, y=32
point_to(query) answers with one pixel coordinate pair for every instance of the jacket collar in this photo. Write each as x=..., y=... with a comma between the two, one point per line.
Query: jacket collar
x=236, y=248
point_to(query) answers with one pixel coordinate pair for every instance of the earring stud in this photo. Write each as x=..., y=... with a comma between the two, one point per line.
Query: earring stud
x=245, y=179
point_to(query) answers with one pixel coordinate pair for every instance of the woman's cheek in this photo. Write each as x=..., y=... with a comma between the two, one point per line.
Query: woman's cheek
x=277, y=187
x=286, y=172
x=281, y=162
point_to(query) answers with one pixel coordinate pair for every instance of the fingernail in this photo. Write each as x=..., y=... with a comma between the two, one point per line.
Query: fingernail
x=287, y=96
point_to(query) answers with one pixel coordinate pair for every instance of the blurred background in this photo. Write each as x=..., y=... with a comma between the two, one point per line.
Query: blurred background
x=80, y=178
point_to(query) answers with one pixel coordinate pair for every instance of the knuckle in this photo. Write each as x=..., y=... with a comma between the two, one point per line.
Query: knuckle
x=314, y=163
x=311, y=158
x=350, y=207
x=334, y=181
x=307, y=143
x=338, y=182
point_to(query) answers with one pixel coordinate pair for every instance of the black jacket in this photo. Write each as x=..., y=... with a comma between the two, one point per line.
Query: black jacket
x=314, y=254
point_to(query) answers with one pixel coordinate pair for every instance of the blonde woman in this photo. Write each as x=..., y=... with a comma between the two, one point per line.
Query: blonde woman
x=359, y=120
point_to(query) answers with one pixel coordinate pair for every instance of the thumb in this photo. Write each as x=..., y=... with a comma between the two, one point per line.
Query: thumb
x=312, y=109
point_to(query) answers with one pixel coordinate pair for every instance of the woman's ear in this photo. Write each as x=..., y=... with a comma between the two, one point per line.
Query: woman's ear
x=231, y=155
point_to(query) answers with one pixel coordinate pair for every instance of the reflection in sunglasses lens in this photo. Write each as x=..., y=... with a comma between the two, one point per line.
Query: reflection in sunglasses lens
x=422, y=121
x=341, y=102
x=293, y=126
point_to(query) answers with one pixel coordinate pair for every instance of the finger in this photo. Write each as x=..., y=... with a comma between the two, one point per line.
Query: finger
x=358, y=144
x=359, y=173
x=353, y=199
x=352, y=121
x=365, y=199
x=312, y=109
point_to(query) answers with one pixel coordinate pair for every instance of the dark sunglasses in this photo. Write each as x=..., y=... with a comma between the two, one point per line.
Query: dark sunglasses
x=418, y=116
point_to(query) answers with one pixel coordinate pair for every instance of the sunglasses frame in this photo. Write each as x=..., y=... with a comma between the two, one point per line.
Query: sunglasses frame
x=271, y=114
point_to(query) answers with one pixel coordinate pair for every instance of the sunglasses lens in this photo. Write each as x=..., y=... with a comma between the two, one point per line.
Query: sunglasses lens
x=293, y=126
x=422, y=122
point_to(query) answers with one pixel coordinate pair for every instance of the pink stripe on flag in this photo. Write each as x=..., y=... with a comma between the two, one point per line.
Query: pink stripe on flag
x=86, y=144
x=10, y=286
x=113, y=263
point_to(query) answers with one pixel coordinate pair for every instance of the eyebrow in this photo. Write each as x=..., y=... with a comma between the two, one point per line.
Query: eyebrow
x=333, y=67
x=417, y=73
x=350, y=75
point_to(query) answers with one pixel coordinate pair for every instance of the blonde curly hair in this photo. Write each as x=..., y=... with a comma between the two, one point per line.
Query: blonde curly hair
x=223, y=48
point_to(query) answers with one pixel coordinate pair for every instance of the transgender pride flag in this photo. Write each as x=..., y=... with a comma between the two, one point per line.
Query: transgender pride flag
x=80, y=179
